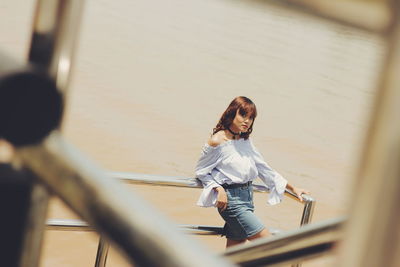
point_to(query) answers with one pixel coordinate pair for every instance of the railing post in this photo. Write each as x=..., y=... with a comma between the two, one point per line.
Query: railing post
x=15, y=203
x=18, y=83
x=35, y=225
x=308, y=211
x=55, y=30
x=102, y=252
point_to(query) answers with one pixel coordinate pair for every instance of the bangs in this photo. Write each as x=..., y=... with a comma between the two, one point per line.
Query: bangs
x=248, y=109
x=240, y=105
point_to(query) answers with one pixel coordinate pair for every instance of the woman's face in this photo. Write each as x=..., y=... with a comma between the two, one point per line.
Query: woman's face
x=241, y=123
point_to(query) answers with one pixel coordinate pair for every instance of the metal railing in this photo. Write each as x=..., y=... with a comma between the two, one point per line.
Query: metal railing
x=292, y=246
x=158, y=180
x=289, y=247
x=146, y=179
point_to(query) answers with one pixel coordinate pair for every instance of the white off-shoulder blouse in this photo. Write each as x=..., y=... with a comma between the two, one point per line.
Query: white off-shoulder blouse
x=235, y=162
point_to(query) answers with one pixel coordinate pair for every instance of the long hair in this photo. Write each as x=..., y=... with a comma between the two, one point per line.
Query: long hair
x=245, y=107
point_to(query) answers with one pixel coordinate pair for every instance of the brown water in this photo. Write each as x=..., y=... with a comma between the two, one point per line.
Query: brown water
x=151, y=79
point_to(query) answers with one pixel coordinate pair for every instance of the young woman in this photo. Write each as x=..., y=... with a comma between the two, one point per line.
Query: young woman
x=228, y=164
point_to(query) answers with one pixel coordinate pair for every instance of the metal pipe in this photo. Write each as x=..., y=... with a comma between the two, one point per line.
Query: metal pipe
x=306, y=218
x=137, y=229
x=68, y=225
x=307, y=212
x=35, y=225
x=290, y=247
x=102, y=252
x=15, y=198
x=55, y=30
x=53, y=37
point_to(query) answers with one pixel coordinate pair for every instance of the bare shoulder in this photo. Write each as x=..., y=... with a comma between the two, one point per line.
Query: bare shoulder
x=217, y=139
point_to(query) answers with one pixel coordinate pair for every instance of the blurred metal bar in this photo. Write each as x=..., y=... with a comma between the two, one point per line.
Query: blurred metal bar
x=68, y=225
x=136, y=228
x=35, y=225
x=15, y=197
x=55, y=30
x=372, y=16
x=373, y=227
x=201, y=229
x=79, y=225
x=102, y=252
x=15, y=79
x=290, y=247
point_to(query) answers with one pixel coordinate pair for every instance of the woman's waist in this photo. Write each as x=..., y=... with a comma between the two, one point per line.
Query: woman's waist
x=236, y=185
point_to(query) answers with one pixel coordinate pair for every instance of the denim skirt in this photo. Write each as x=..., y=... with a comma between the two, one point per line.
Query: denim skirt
x=240, y=220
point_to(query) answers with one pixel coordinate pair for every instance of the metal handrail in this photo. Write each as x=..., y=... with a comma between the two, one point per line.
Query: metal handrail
x=161, y=180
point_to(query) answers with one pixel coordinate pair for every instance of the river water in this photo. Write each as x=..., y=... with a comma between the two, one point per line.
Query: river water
x=151, y=79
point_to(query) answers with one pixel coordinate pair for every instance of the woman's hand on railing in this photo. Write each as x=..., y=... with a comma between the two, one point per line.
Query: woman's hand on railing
x=299, y=192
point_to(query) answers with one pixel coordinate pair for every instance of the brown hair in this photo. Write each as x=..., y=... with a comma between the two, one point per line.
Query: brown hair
x=245, y=107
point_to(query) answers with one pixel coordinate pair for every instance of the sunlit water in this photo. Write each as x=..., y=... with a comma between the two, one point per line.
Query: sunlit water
x=151, y=79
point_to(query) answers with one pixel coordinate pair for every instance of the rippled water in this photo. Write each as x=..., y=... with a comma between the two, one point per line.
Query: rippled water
x=152, y=78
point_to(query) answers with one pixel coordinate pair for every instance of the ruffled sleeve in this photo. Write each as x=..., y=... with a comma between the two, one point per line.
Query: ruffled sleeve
x=274, y=181
x=209, y=159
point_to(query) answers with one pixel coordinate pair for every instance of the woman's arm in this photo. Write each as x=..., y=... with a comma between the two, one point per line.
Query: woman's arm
x=209, y=159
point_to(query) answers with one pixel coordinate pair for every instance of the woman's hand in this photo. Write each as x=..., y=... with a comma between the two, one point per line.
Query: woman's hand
x=222, y=199
x=299, y=192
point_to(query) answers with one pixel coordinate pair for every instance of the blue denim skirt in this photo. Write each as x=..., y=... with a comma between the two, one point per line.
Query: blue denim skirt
x=240, y=220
